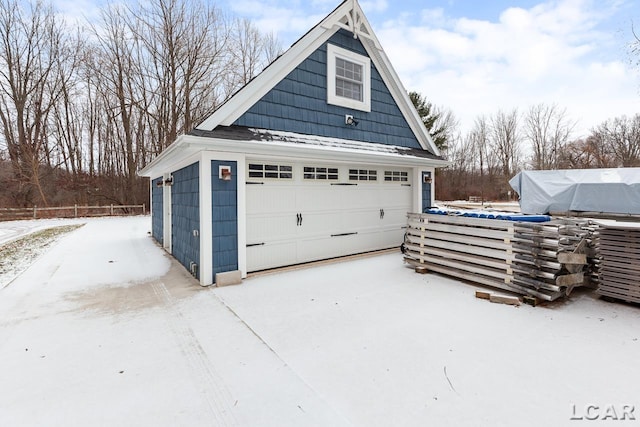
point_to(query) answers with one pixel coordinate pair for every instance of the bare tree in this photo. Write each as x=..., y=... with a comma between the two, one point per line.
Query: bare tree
x=548, y=130
x=622, y=134
x=185, y=43
x=506, y=139
x=34, y=52
x=115, y=60
x=480, y=139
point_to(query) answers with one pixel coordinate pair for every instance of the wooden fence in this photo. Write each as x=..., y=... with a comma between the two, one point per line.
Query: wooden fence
x=75, y=211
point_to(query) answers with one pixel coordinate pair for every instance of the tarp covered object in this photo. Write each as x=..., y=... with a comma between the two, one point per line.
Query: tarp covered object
x=584, y=190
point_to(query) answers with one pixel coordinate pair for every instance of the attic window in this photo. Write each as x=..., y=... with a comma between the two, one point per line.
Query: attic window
x=348, y=79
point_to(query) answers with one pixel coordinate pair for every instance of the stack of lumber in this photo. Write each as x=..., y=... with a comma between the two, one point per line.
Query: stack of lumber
x=550, y=258
x=543, y=260
x=618, y=248
x=474, y=249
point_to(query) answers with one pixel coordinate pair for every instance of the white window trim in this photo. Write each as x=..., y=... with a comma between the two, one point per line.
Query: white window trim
x=264, y=171
x=334, y=52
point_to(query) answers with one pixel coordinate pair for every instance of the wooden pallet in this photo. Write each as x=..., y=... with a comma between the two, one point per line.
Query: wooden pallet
x=618, y=248
x=544, y=261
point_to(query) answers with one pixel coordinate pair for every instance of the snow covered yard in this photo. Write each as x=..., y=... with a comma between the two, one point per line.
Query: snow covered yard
x=106, y=329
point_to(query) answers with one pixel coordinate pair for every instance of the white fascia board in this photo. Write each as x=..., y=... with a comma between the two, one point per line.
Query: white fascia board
x=176, y=156
x=244, y=99
x=152, y=169
x=281, y=149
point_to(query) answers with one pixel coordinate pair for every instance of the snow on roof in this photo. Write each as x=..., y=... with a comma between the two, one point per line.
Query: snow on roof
x=240, y=133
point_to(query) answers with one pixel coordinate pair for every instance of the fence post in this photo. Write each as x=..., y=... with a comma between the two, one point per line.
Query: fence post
x=111, y=209
x=35, y=210
x=75, y=210
x=144, y=208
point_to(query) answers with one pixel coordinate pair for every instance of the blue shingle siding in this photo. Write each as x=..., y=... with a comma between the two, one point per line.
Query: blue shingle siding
x=426, y=192
x=185, y=215
x=299, y=104
x=157, y=216
x=224, y=211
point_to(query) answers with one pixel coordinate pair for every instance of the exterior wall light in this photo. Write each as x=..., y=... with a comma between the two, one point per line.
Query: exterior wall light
x=350, y=121
x=224, y=173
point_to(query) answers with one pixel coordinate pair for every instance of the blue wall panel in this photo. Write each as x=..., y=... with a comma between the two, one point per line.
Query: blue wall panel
x=426, y=191
x=157, y=216
x=185, y=215
x=299, y=104
x=224, y=210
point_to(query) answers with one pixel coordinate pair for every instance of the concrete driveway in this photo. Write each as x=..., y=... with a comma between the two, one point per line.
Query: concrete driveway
x=106, y=329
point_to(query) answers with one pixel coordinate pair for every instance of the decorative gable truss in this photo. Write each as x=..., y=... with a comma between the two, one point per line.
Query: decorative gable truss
x=348, y=16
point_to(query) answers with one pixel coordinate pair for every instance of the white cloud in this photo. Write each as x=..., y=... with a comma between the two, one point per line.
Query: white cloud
x=550, y=53
x=271, y=16
x=372, y=6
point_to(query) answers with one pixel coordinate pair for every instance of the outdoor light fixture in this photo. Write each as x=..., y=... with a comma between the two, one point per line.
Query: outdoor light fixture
x=169, y=181
x=224, y=173
x=350, y=121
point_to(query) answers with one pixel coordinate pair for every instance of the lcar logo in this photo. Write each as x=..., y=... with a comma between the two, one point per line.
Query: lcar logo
x=603, y=412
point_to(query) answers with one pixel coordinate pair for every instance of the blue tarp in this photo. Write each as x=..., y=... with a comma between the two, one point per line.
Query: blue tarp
x=491, y=215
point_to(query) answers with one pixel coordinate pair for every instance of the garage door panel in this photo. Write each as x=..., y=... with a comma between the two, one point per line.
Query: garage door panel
x=395, y=216
x=360, y=220
x=395, y=195
x=270, y=255
x=321, y=223
x=360, y=196
x=316, y=197
x=315, y=248
x=268, y=198
x=264, y=227
x=337, y=220
x=391, y=237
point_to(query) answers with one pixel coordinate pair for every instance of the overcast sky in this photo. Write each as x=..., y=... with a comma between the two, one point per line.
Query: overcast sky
x=476, y=57
x=479, y=56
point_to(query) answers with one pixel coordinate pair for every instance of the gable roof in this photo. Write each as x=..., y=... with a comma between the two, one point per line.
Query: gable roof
x=348, y=16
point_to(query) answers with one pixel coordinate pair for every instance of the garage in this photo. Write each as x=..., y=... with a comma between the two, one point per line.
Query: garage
x=307, y=211
x=319, y=156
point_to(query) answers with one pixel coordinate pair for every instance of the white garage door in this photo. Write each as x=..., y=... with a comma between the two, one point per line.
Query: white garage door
x=300, y=212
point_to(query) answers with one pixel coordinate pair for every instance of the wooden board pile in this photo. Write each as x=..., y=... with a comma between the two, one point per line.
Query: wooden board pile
x=478, y=250
x=550, y=257
x=618, y=247
x=544, y=260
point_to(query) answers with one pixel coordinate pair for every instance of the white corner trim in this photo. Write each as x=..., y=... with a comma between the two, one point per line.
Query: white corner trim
x=240, y=159
x=206, y=228
x=334, y=52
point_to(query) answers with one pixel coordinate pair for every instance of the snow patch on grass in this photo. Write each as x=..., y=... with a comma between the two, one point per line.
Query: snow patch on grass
x=17, y=255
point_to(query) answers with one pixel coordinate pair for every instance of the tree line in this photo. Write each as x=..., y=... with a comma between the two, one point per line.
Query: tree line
x=83, y=106
x=499, y=145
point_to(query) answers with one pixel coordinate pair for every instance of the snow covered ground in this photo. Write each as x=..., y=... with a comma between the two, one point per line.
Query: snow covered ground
x=11, y=230
x=106, y=329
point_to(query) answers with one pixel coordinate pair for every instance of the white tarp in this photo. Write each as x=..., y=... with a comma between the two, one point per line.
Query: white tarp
x=585, y=190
